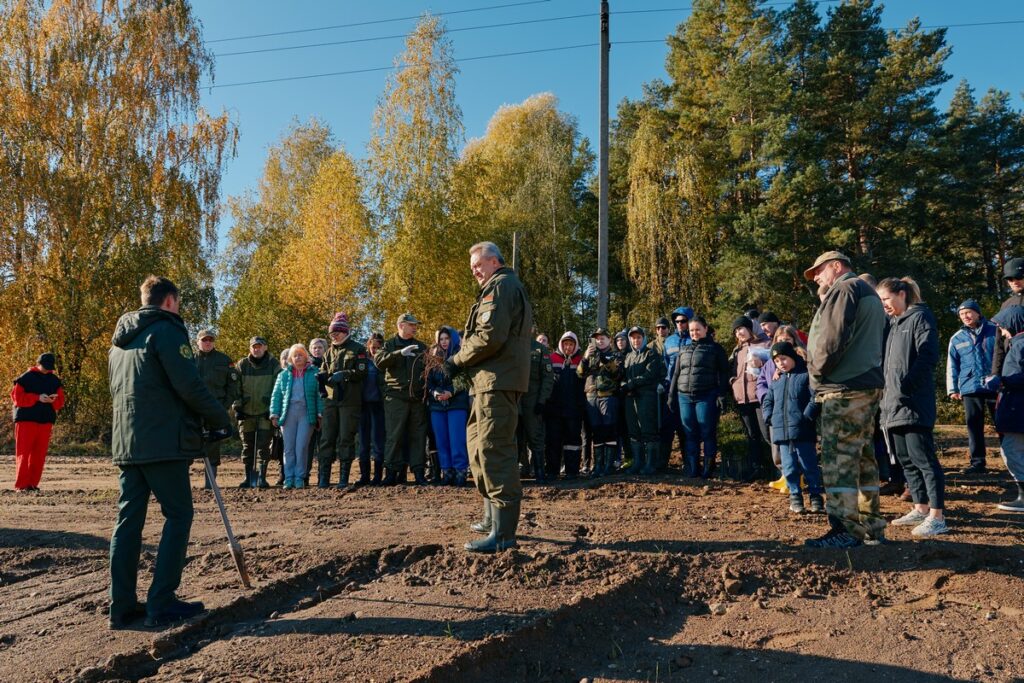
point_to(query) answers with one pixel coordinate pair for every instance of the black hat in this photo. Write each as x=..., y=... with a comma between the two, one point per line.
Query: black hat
x=769, y=317
x=47, y=361
x=742, y=321
x=785, y=348
x=752, y=313
x=636, y=329
x=1014, y=268
x=662, y=322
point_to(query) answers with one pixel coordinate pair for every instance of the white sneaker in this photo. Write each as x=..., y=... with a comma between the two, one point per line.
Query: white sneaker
x=930, y=527
x=912, y=518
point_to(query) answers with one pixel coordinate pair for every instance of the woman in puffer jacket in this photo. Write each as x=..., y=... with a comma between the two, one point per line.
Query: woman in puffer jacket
x=296, y=408
x=449, y=410
x=908, y=402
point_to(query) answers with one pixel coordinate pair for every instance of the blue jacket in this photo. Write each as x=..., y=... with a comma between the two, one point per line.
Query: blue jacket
x=675, y=341
x=1010, y=407
x=969, y=359
x=788, y=407
x=281, y=397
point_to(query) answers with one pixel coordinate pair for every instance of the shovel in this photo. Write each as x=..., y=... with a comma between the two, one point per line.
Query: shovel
x=236, y=550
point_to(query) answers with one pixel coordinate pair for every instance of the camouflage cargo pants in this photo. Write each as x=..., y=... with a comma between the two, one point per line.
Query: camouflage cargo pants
x=848, y=465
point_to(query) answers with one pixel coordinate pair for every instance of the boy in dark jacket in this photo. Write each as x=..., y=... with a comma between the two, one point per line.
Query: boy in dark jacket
x=37, y=396
x=644, y=369
x=789, y=410
x=1010, y=406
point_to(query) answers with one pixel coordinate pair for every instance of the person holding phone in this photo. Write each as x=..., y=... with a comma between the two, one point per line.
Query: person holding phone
x=38, y=396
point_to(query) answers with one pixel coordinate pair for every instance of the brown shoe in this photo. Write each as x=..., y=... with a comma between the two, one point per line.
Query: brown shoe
x=890, y=488
x=906, y=494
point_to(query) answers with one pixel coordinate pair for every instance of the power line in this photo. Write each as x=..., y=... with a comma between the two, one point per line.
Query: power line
x=376, y=21
x=560, y=49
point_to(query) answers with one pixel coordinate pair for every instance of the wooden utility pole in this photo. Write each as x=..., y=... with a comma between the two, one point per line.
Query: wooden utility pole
x=602, y=205
x=515, y=251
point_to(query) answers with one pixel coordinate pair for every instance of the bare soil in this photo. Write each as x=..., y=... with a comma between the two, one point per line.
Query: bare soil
x=620, y=579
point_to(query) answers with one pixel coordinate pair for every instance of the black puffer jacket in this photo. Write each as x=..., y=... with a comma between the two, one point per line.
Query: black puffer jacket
x=911, y=353
x=701, y=367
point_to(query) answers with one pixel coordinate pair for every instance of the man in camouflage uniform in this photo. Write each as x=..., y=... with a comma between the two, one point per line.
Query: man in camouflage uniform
x=844, y=360
x=601, y=370
x=221, y=377
x=342, y=372
x=530, y=434
x=495, y=354
x=405, y=414
x=257, y=371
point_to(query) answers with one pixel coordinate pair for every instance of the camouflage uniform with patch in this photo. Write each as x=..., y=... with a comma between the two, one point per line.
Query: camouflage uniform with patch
x=343, y=371
x=221, y=378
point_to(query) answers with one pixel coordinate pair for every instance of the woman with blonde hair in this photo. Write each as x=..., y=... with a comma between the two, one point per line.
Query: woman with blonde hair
x=296, y=408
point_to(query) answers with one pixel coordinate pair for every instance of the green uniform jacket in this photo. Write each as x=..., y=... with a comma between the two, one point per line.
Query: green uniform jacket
x=220, y=376
x=602, y=372
x=495, y=349
x=643, y=370
x=257, y=385
x=159, y=399
x=542, y=378
x=348, y=358
x=403, y=375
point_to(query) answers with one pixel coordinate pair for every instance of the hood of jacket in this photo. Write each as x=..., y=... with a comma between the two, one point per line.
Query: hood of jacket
x=1010, y=319
x=569, y=335
x=134, y=323
x=455, y=340
x=684, y=310
x=643, y=340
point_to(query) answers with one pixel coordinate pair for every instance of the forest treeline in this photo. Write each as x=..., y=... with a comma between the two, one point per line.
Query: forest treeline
x=779, y=132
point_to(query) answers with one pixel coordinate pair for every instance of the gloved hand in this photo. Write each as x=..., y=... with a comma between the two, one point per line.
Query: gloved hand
x=451, y=369
x=722, y=405
x=337, y=378
x=409, y=350
x=661, y=389
x=215, y=435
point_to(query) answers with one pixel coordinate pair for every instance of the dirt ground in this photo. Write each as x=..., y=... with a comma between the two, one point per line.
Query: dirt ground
x=661, y=579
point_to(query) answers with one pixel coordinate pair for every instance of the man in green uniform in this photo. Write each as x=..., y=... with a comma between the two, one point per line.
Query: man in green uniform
x=258, y=372
x=160, y=404
x=405, y=414
x=495, y=354
x=217, y=370
x=342, y=371
x=530, y=434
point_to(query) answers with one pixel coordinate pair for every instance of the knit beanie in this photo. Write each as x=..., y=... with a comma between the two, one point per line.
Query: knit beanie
x=742, y=321
x=785, y=348
x=971, y=304
x=339, y=323
x=769, y=317
x=47, y=361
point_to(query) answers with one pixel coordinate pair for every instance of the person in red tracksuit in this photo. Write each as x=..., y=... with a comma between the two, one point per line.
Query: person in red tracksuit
x=37, y=396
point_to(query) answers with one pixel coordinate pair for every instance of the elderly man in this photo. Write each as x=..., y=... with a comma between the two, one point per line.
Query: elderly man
x=221, y=377
x=844, y=360
x=968, y=360
x=405, y=415
x=495, y=354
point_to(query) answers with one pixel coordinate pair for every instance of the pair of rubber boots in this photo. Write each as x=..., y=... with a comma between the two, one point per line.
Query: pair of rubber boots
x=604, y=457
x=324, y=474
x=693, y=469
x=500, y=524
x=255, y=479
x=645, y=455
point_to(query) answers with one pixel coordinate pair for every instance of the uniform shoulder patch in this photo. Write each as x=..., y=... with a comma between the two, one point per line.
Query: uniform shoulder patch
x=487, y=299
x=186, y=351
x=485, y=316
x=361, y=355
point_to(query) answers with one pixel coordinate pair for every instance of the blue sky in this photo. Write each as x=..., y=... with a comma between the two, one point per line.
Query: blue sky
x=987, y=56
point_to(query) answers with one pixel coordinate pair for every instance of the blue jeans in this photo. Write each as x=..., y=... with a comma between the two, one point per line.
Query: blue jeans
x=699, y=415
x=450, y=434
x=371, y=432
x=799, y=457
x=295, y=431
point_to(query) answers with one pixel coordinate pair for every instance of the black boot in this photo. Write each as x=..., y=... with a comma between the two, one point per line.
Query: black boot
x=691, y=465
x=247, y=482
x=391, y=478
x=484, y=525
x=364, y=472
x=598, y=469
x=709, y=466
x=419, y=479
x=651, y=455
x=460, y=478
x=401, y=475
x=324, y=474
x=504, y=522
x=262, y=482
x=1015, y=505
x=378, y=472
x=637, y=450
x=344, y=471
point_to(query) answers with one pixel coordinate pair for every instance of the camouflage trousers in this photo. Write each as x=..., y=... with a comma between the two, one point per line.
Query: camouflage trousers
x=848, y=466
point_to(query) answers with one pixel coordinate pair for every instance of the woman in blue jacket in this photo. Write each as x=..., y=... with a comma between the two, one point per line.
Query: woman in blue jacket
x=790, y=412
x=449, y=410
x=296, y=408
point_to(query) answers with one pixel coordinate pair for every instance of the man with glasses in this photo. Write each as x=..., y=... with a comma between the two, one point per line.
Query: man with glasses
x=671, y=423
x=221, y=378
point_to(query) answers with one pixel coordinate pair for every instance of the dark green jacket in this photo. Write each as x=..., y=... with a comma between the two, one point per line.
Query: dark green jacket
x=257, y=385
x=643, y=370
x=542, y=378
x=159, y=399
x=403, y=375
x=220, y=376
x=348, y=358
x=495, y=349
